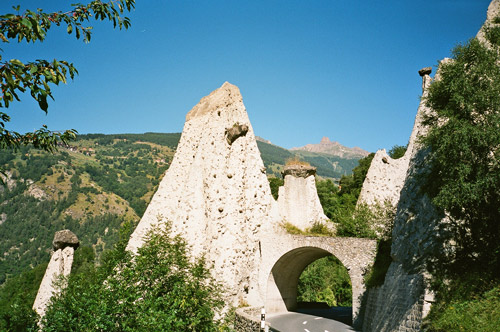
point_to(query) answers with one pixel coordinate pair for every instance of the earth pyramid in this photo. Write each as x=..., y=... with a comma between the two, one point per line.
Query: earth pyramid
x=216, y=193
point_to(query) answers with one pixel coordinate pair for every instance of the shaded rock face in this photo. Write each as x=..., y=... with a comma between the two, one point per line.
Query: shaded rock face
x=65, y=242
x=419, y=232
x=65, y=238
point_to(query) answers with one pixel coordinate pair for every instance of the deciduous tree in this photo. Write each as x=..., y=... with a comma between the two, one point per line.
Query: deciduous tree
x=37, y=76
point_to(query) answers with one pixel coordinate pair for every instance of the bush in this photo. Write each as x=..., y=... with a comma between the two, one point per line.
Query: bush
x=159, y=289
x=480, y=313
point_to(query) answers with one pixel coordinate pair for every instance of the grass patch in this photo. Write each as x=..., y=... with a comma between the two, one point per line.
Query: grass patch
x=296, y=161
x=317, y=229
x=479, y=313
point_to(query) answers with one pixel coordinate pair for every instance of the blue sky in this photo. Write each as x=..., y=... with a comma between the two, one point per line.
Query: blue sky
x=306, y=69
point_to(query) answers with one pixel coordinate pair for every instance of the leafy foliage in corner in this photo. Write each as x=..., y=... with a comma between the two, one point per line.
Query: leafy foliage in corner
x=36, y=77
x=16, y=299
x=159, y=289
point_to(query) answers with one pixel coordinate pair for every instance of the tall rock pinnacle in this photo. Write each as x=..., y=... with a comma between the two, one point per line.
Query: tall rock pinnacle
x=216, y=192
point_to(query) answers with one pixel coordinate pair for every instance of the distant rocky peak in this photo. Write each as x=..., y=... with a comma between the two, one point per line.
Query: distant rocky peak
x=333, y=148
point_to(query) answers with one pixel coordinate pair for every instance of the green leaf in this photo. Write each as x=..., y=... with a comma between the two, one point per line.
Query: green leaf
x=70, y=29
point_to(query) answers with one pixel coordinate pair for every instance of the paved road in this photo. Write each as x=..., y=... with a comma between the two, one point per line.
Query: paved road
x=300, y=322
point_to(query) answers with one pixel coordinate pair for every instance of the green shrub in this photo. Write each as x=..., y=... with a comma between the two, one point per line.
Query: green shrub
x=478, y=313
x=159, y=289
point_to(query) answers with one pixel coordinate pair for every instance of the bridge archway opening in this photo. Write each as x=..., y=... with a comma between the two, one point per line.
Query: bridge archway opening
x=282, y=285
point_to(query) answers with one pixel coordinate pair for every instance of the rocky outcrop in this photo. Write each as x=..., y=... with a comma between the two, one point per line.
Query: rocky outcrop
x=298, y=199
x=64, y=245
x=65, y=238
x=493, y=12
x=217, y=197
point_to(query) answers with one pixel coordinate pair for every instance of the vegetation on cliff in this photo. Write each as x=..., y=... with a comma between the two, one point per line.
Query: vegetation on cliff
x=463, y=180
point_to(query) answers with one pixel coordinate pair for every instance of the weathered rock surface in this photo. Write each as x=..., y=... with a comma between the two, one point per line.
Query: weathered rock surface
x=493, y=12
x=59, y=266
x=65, y=238
x=216, y=194
x=402, y=302
x=298, y=199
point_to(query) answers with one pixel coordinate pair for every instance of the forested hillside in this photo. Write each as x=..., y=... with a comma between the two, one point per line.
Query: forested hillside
x=92, y=187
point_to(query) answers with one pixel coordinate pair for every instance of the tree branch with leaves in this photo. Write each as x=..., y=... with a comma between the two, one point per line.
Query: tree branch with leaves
x=37, y=76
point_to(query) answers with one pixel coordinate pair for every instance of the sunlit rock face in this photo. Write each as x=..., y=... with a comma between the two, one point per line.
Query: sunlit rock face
x=216, y=192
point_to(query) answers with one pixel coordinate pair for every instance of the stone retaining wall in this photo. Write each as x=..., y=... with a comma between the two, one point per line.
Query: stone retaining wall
x=247, y=319
x=404, y=295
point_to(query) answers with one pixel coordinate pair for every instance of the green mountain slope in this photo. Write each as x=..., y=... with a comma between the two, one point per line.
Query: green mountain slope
x=94, y=186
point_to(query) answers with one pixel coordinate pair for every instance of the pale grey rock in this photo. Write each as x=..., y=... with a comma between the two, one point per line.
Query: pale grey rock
x=385, y=177
x=298, y=199
x=419, y=232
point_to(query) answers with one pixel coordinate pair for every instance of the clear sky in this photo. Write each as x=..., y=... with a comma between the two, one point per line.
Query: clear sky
x=346, y=69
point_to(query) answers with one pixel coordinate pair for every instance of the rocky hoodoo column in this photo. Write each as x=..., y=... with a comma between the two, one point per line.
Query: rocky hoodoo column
x=216, y=195
x=64, y=245
x=298, y=199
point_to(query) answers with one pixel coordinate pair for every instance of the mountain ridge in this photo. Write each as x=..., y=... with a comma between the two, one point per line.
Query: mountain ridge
x=334, y=148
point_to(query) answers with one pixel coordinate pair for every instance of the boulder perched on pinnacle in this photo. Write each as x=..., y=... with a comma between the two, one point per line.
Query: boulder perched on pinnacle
x=65, y=238
x=425, y=71
x=299, y=171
